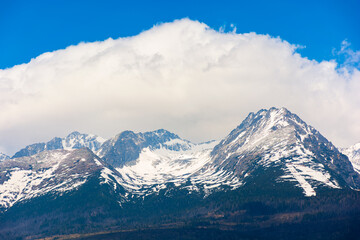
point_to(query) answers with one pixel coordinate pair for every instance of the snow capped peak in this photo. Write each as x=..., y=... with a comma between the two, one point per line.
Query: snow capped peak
x=163, y=132
x=74, y=133
x=353, y=153
x=355, y=147
x=274, y=117
x=77, y=140
x=74, y=140
x=155, y=137
x=277, y=137
x=143, y=163
x=267, y=127
x=124, y=134
x=3, y=157
x=266, y=122
x=54, y=171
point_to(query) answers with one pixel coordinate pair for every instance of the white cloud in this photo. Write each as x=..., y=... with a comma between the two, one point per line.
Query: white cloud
x=351, y=57
x=181, y=76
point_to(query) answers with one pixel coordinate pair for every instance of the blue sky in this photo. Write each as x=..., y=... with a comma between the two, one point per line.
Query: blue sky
x=29, y=28
x=186, y=76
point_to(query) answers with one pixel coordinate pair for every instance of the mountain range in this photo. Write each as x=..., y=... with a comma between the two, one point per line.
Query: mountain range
x=272, y=171
x=353, y=153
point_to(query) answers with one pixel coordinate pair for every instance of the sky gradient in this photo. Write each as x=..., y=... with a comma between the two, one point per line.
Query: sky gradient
x=30, y=28
x=193, y=69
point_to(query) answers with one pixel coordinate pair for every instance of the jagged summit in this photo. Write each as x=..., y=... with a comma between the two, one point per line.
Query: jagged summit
x=271, y=160
x=274, y=117
x=74, y=133
x=275, y=139
x=279, y=138
x=160, y=134
x=3, y=156
x=127, y=146
x=266, y=128
x=54, y=171
x=74, y=140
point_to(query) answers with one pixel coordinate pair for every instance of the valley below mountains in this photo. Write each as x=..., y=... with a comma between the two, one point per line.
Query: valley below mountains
x=272, y=177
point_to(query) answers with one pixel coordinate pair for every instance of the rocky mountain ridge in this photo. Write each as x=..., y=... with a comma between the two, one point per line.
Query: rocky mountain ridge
x=271, y=158
x=3, y=156
x=127, y=146
x=353, y=153
x=144, y=163
x=276, y=137
x=55, y=171
x=74, y=140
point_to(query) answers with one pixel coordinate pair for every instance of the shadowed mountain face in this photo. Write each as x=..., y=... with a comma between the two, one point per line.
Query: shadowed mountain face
x=55, y=172
x=272, y=170
x=127, y=146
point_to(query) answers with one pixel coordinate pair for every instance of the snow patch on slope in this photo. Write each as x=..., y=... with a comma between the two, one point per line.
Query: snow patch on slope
x=156, y=167
x=309, y=191
x=3, y=157
x=353, y=153
x=51, y=171
x=77, y=140
x=277, y=138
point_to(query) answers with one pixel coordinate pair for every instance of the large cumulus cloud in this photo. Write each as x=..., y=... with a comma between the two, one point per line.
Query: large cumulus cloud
x=181, y=76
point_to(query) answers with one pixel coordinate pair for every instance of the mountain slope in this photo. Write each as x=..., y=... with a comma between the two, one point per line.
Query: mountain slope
x=155, y=168
x=93, y=205
x=278, y=138
x=74, y=140
x=272, y=170
x=353, y=154
x=147, y=162
x=55, y=172
x=127, y=146
x=274, y=139
x=3, y=157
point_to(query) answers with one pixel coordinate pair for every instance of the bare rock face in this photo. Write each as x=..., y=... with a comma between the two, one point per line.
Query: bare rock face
x=127, y=146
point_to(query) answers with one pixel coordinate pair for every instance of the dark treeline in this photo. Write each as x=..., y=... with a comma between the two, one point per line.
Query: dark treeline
x=261, y=209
